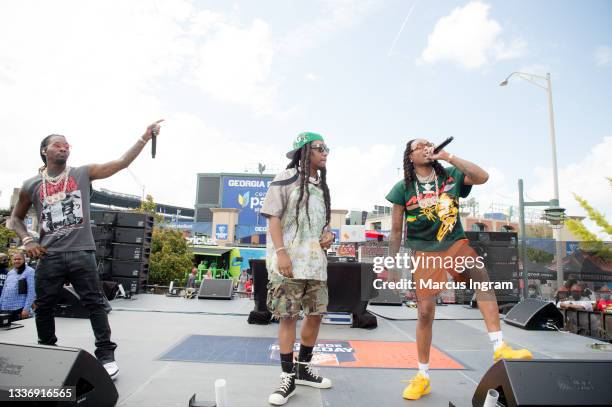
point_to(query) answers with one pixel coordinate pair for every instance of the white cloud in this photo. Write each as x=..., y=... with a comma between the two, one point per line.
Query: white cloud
x=603, y=56
x=469, y=37
x=234, y=64
x=585, y=177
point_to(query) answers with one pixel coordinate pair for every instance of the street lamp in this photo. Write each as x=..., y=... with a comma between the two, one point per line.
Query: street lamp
x=537, y=80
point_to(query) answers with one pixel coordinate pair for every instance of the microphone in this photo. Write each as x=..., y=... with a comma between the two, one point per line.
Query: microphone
x=436, y=150
x=154, y=142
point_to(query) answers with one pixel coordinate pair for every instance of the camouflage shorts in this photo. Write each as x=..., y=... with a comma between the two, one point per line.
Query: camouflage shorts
x=287, y=297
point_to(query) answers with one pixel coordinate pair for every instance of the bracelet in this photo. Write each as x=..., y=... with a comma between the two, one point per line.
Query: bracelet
x=279, y=249
x=26, y=240
x=143, y=140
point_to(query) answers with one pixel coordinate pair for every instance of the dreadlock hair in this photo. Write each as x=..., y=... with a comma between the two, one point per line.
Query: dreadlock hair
x=43, y=144
x=301, y=162
x=409, y=175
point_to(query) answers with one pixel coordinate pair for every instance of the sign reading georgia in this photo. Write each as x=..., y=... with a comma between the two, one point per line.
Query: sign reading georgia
x=246, y=194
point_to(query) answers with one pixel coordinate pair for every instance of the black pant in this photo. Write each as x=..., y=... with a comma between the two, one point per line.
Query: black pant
x=78, y=268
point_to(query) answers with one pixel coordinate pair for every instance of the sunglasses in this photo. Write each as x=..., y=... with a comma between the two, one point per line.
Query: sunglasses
x=59, y=144
x=321, y=148
x=421, y=146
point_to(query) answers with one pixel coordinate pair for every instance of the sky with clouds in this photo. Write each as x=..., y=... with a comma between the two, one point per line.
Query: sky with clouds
x=236, y=81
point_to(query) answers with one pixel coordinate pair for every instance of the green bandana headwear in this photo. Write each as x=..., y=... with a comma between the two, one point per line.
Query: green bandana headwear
x=301, y=140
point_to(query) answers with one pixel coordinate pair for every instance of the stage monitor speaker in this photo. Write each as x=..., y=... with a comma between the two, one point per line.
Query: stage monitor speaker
x=216, y=289
x=550, y=382
x=534, y=314
x=387, y=297
x=54, y=366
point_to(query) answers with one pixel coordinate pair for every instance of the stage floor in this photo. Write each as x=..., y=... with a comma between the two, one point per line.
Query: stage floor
x=152, y=325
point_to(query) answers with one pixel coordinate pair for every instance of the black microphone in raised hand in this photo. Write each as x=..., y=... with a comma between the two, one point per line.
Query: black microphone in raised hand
x=443, y=144
x=154, y=133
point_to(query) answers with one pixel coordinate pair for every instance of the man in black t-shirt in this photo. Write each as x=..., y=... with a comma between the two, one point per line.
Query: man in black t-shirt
x=66, y=249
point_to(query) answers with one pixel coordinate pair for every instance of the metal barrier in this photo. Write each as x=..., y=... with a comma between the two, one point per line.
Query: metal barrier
x=594, y=324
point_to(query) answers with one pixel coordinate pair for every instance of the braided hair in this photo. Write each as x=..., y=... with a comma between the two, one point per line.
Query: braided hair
x=409, y=175
x=301, y=160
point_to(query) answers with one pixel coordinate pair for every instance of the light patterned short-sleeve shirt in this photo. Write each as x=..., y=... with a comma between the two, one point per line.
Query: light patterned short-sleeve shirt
x=308, y=259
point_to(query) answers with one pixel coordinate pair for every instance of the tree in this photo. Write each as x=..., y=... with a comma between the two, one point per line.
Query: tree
x=149, y=206
x=6, y=235
x=591, y=242
x=170, y=257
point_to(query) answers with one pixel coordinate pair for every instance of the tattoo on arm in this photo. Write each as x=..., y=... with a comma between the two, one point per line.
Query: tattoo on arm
x=471, y=170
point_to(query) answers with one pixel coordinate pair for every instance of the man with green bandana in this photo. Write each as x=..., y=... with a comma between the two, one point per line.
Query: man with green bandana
x=298, y=209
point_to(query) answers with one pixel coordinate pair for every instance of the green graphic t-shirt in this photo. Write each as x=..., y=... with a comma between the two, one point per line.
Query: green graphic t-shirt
x=432, y=225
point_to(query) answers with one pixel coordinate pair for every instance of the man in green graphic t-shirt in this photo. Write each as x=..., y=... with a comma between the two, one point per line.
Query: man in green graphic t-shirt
x=427, y=202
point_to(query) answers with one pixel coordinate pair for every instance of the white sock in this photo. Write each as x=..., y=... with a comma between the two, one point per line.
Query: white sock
x=424, y=369
x=497, y=339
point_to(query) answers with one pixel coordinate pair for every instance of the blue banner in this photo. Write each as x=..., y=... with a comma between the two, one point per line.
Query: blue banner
x=221, y=231
x=246, y=194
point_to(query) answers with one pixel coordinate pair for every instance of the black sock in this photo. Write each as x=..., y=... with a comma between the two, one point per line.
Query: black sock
x=287, y=362
x=305, y=354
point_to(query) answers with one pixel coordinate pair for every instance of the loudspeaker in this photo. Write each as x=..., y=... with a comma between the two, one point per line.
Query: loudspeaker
x=54, y=366
x=260, y=282
x=103, y=217
x=133, y=236
x=387, y=297
x=550, y=382
x=102, y=232
x=69, y=305
x=133, y=285
x=220, y=289
x=534, y=314
x=134, y=220
x=103, y=248
x=133, y=269
x=130, y=252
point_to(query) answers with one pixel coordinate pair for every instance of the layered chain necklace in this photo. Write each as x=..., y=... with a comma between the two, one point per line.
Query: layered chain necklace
x=58, y=196
x=428, y=200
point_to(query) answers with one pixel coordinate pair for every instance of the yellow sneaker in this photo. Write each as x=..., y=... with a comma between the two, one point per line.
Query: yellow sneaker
x=418, y=387
x=506, y=352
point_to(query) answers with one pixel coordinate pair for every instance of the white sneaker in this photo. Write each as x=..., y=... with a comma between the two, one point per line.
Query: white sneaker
x=112, y=369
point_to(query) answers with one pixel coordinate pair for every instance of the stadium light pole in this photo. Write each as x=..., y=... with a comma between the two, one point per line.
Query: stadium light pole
x=537, y=81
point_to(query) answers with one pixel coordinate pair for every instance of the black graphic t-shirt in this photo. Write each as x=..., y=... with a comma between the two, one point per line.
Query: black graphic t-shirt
x=434, y=225
x=63, y=217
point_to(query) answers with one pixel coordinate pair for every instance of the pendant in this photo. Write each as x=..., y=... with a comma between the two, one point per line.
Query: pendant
x=61, y=196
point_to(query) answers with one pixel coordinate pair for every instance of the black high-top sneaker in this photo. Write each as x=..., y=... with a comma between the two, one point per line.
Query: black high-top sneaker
x=307, y=376
x=285, y=390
